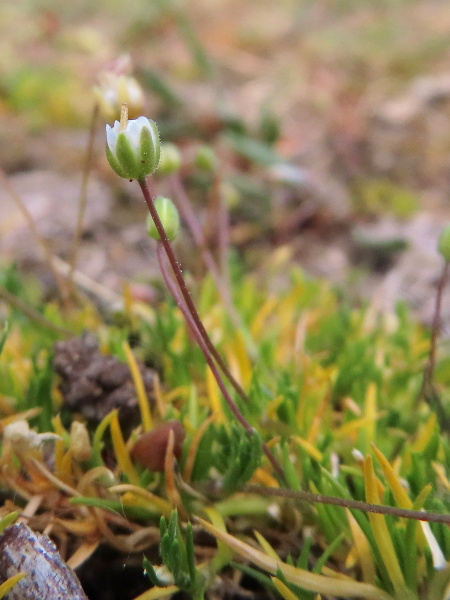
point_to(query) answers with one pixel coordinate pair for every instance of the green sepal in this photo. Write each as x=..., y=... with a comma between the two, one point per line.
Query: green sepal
x=150, y=150
x=127, y=158
x=114, y=164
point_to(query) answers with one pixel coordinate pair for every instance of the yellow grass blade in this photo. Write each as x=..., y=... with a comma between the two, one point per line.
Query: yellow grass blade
x=7, y=585
x=223, y=557
x=265, y=545
x=425, y=433
x=363, y=549
x=354, y=427
x=262, y=476
x=305, y=579
x=259, y=320
x=134, y=490
x=144, y=405
x=440, y=472
x=380, y=530
x=308, y=447
x=370, y=412
x=158, y=592
x=283, y=589
x=213, y=396
x=401, y=497
x=121, y=452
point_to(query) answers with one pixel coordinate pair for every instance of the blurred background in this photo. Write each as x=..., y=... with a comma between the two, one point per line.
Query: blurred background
x=330, y=123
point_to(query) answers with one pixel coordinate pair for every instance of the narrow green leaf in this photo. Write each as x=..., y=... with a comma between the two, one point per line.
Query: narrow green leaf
x=173, y=525
x=322, y=561
x=8, y=520
x=151, y=574
x=166, y=549
x=4, y=335
x=190, y=552
x=162, y=526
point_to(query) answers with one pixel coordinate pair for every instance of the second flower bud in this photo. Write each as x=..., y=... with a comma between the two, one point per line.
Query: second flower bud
x=168, y=213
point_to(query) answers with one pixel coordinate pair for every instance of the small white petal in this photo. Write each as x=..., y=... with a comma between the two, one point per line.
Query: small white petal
x=437, y=555
x=357, y=455
x=133, y=133
x=143, y=121
x=110, y=138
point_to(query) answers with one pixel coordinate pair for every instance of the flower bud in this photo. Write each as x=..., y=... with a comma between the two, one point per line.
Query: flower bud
x=133, y=151
x=170, y=159
x=444, y=244
x=205, y=158
x=168, y=213
x=79, y=441
x=230, y=195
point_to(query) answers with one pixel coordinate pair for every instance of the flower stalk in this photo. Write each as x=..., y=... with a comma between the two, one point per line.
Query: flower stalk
x=200, y=341
x=133, y=150
x=185, y=292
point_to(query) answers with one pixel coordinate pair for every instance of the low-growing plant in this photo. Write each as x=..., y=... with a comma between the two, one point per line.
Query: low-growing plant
x=305, y=416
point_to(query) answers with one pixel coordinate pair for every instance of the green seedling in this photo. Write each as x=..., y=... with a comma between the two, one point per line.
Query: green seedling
x=241, y=456
x=178, y=560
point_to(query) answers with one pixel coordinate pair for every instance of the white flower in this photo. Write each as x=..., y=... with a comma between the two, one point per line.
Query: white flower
x=133, y=151
x=113, y=90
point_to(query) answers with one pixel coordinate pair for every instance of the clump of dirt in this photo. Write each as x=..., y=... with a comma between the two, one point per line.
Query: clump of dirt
x=93, y=384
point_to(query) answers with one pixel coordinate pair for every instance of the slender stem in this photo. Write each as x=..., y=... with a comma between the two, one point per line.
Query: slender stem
x=223, y=228
x=207, y=354
x=404, y=513
x=49, y=259
x=185, y=292
x=221, y=281
x=435, y=327
x=186, y=210
x=83, y=191
x=32, y=314
x=195, y=332
x=427, y=390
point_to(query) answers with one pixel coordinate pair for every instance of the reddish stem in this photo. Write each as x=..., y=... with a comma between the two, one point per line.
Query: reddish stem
x=436, y=321
x=188, y=214
x=195, y=332
x=200, y=341
x=427, y=390
x=185, y=292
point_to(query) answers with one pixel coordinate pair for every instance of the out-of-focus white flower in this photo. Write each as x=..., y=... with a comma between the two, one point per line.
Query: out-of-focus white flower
x=133, y=148
x=115, y=86
x=114, y=90
x=22, y=438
